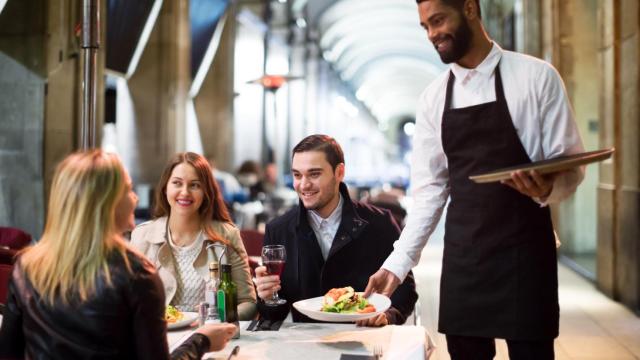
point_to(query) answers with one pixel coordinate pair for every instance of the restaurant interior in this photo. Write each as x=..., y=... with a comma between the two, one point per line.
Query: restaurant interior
x=241, y=82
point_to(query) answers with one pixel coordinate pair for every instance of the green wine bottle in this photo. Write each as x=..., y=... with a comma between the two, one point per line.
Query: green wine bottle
x=227, y=296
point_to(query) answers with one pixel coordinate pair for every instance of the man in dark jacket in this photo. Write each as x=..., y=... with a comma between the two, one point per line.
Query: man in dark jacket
x=331, y=241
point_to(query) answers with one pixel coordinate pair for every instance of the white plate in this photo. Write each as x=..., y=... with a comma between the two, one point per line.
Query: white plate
x=188, y=319
x=311, y=308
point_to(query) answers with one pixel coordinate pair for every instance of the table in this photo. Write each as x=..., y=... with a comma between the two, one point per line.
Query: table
x=311, y=341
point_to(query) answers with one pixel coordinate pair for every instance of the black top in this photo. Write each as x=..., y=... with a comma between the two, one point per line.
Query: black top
x=121, y=321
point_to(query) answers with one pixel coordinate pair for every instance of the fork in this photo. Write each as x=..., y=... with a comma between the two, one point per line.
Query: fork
x=234, y=352
x=377, y=351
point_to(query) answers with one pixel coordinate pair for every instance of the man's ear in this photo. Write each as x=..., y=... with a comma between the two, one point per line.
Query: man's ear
x=470, y=9
x=339, y=171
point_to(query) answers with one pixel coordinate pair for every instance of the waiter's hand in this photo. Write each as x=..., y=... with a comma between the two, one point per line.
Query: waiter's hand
x=376, y=321
x=383, y=281
x=531, y=183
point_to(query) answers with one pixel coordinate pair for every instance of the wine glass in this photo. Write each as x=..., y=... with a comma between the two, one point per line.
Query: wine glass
x=273, y=258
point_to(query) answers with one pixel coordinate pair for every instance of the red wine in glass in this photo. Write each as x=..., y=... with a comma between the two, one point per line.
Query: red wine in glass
x=274, y=267
x=273, y=258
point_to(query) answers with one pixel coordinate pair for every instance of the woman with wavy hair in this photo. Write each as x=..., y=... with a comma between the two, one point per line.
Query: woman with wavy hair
x=81, y=292
x=189, y=215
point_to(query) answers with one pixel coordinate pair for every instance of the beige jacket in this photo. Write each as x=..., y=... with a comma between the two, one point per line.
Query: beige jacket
x=149, y=238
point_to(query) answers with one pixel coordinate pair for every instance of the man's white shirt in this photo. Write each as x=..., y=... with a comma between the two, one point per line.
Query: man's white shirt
x=541, y=115
x=325, y=229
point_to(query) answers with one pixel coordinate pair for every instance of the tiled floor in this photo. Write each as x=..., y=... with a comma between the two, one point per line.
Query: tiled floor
x=591, y=325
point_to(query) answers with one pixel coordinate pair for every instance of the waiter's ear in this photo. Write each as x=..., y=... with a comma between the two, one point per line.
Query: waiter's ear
x=470, y=9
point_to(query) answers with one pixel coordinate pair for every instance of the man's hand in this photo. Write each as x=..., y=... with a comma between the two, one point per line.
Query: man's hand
x=383, y=281
x=531, y=183
x=266, y=284
x=376, y=321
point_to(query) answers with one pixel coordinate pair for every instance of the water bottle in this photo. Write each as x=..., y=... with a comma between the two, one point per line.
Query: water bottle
x=210, y=294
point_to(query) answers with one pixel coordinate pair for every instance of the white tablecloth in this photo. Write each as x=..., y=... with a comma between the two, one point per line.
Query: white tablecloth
x=310, y=341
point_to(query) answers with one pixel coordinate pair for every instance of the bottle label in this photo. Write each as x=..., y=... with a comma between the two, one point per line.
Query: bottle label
x=222, y=306
x=210, y=297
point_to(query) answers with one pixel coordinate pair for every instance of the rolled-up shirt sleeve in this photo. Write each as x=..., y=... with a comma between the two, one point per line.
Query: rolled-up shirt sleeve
x=559, y=133
x=429, y=189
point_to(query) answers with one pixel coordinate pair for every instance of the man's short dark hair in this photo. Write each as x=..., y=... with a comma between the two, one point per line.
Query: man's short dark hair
x=324, y=143
x=457, y=4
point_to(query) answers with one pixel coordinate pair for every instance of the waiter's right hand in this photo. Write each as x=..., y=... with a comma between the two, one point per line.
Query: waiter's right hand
x=383, y=281
x=266, y=284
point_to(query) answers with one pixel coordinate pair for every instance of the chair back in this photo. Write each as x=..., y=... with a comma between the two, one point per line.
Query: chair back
x=252, y=240
x=5, y=275
x=7, y=256
x=14, y=238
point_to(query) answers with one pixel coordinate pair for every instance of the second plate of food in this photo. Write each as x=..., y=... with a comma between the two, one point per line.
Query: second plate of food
x=312, y=308
x=187, y=319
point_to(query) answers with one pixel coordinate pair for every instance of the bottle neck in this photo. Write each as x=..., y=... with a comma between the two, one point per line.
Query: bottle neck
x=213, y=275
x=226, y=276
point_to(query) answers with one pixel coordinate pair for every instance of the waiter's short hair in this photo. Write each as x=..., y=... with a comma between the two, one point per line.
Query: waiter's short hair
x=324, y=143
x=457, y=4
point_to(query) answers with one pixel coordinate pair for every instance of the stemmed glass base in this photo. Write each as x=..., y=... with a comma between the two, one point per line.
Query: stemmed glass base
x=275, y=301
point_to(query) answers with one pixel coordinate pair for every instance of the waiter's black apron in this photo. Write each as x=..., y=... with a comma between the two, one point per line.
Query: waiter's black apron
x=499, y=272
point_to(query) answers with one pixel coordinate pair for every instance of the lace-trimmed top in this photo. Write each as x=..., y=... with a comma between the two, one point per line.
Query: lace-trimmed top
x=190, y=285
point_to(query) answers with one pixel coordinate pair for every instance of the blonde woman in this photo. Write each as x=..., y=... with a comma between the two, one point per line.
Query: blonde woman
x=80, y=292
x=190, y=214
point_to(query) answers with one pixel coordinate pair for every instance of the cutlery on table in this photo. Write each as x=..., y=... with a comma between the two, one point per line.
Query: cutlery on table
x=377, y=351
x=234, y=352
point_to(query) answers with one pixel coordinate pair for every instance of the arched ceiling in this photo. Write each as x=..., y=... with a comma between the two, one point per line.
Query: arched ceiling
x=379, y=48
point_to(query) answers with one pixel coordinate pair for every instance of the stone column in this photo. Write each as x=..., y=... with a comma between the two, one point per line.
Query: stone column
x=214, y=102
x=628, y=145
x=619, y=190
x=39, y=82
x=159, y=90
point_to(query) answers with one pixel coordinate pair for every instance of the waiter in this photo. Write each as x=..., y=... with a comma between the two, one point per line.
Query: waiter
x=492, y=109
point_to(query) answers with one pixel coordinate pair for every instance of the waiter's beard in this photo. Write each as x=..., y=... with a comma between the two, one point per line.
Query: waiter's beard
x=460, y=43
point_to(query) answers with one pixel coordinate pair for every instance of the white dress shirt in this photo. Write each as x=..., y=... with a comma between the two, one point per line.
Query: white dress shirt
x=325, y=229
x=541, y=115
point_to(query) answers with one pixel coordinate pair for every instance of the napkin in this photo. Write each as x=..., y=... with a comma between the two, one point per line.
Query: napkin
x=264, y=325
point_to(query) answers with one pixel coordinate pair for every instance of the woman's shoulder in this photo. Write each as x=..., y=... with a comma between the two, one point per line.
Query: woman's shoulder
x=151, y=231
x=225, y=229
x=137, y=261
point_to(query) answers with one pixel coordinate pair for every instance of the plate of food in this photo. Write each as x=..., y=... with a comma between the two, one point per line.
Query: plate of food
x=343, y=305
x=177, y=319
x=546, y=166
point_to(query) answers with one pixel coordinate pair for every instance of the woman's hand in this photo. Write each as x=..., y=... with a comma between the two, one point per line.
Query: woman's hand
x=266, y=284
x=218, y=334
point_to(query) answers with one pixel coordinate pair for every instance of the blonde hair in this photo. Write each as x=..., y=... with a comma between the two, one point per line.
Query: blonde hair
x=80, y=232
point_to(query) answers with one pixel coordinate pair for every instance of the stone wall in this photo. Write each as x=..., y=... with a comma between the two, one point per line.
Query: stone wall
x=21, y=129
x=619, y=189
x=22, y=89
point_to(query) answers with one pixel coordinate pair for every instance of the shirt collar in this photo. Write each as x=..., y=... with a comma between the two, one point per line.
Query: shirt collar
x=486, y=67
x=334, y=217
